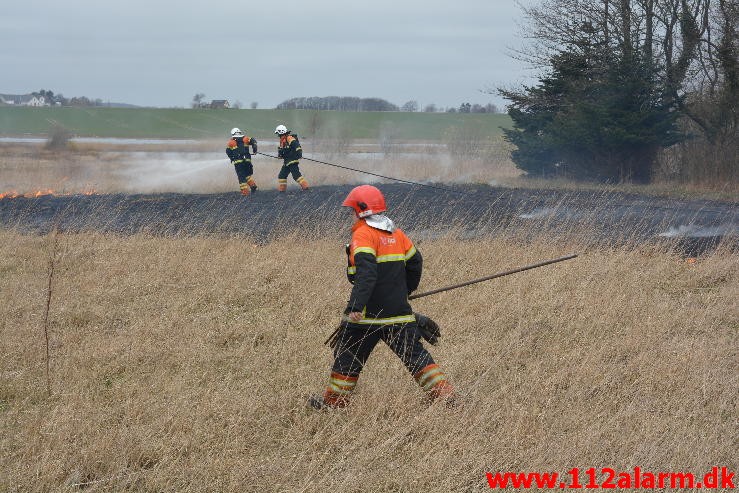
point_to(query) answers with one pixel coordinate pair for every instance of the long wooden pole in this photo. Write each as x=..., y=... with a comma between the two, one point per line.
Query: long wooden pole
x=494, y=276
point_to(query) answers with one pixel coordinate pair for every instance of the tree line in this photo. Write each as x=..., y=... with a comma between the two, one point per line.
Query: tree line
x=60, y=100
x=338, y=103
x=629, y=88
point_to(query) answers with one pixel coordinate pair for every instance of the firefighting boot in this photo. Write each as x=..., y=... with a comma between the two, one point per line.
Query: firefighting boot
x=244, y=189
x=434, y=382
x=337, y=394
x=281, y=185
x=303, y=183
x=328, y=401
x=316, y=402
x=252, y=184
x=445, y=394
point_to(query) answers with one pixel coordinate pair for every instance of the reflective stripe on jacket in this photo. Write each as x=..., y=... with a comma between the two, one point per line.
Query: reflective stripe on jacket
x=237, y=150
x=289, y=150
x=384, y=268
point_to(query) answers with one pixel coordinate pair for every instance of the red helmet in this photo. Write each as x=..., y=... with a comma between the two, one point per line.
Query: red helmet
x=365, y=200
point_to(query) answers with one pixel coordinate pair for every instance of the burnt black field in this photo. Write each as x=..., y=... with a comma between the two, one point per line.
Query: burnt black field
x=692, y=227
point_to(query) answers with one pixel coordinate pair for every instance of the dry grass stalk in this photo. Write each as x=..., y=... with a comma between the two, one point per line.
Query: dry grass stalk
x=47, y=307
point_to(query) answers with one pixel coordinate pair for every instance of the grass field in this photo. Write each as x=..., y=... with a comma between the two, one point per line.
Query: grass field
x=183, y=365
x=203, y=124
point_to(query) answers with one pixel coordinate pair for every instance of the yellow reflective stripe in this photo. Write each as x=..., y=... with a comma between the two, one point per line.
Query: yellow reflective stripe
x=237, y=161
x=337, y=386
x=396, y=257
x=402, y=319
x=351, y=270
x=429, y=374
x=410, y=253
x=292, y=162
x=338, y=390
x=343, y=384
x=282, y=180
x=432, y=383
x=369, y=250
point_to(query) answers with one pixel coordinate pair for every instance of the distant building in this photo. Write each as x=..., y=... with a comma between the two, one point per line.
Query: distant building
x=219, y=104
x=23, y=100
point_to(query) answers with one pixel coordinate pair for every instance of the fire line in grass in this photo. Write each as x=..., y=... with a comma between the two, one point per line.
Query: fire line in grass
x=12, y=194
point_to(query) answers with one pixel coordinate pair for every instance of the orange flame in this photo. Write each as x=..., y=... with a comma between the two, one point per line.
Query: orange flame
x=39, y=193
x=12, y=194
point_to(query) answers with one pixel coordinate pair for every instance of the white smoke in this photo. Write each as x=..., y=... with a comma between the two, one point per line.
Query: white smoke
x=696, y=231
x=538, y=213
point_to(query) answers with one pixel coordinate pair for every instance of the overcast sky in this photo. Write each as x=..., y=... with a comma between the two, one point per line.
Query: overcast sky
x=161, y=53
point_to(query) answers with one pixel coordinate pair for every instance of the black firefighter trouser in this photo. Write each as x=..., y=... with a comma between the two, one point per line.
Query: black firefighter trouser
x=356, y=342
x=244, y=171
x=286, y=169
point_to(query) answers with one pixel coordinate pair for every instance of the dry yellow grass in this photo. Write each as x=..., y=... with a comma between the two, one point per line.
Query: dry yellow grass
x=183, y=365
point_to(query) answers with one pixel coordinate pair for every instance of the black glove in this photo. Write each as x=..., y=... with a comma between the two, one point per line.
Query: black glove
x=333, y=339
x=280, y=152
x=428, y=328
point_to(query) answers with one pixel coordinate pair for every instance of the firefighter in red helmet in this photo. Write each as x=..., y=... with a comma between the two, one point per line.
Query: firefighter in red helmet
x=384, y=267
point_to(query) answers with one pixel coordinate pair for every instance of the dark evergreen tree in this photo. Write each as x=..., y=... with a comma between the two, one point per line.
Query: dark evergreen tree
x=598, y=115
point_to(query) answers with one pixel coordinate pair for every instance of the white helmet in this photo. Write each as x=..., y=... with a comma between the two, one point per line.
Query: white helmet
x=235, y=132
x=281, y=130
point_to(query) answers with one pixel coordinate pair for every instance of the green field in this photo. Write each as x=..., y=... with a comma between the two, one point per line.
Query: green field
x=204, y=124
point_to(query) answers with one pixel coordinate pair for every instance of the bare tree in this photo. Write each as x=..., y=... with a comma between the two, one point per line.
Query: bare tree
x=690, y=45
x=315, y=123
x=197, y=100
x=430, y=108
x=410, y=106
x=59, y=137
x=491, y=108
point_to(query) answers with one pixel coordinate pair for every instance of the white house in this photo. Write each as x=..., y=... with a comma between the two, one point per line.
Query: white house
x=23, y=100
x=34, y=101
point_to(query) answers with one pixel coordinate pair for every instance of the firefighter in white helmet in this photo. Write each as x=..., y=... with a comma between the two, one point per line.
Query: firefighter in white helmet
x=237, y=151
x=290, y=151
